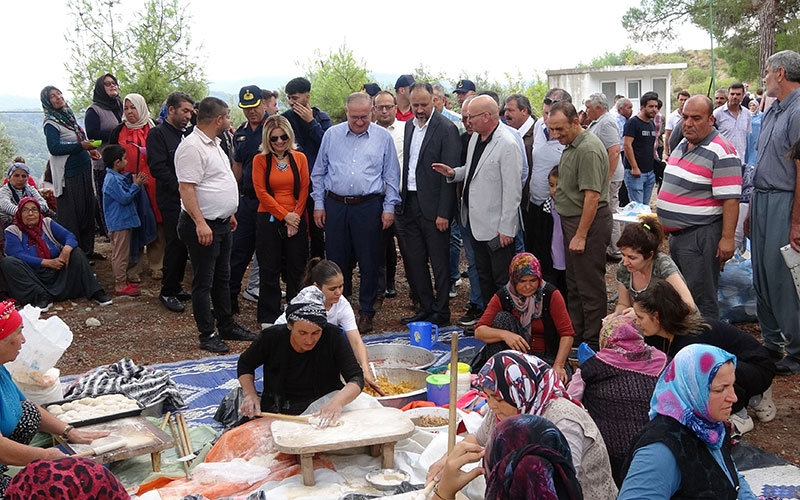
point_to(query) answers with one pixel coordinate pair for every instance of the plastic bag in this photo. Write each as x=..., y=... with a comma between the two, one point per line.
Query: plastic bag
x=45, y=343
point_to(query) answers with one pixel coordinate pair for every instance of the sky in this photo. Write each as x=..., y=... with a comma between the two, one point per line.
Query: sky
x=239, y=43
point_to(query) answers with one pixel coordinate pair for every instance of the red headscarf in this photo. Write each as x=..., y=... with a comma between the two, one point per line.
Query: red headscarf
x=9, y=319
x=34, y=233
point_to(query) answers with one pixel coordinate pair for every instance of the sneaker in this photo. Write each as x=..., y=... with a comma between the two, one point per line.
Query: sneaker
x=237, y=333
x=102, y=298
x=471, y=317
x=251, y=295
x=130, y=291
x=789, y=365
x=213, y=343
x=453, y=292
x=171, y=303
x=742, y=421
x=43, y=302
x=765, y=410
x=183, y=295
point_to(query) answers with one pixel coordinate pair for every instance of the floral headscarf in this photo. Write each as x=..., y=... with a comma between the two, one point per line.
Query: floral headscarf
x=63, y=116
x=68, y=478
x=683, y=390
x=34, y=233
x=622, y=346
x=528, y=457
x=522, y=380
x=529, y=308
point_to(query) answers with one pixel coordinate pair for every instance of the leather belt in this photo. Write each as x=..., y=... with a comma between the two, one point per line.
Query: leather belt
x=352, y=200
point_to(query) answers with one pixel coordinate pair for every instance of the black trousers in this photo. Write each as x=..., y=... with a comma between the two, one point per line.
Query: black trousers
x=175, y=255
x=271, y=250
x=425, y=243
x=244, y=241
x=539, y=237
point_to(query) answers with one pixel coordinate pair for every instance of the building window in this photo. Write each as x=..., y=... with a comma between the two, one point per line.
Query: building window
x=634, y=90
x=609, y=89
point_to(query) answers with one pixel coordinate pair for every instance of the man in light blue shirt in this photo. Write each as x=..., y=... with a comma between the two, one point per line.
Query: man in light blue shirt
x=356, y=178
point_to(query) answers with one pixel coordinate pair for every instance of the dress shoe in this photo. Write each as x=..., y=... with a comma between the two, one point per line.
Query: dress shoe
x=183, y=295
x=171, y=303
x=213, y=343
x=364, y=324
x=439, y=319
x=420, y=316
x=378, y=303
x=789, y=365
x=391, y=292
x=237, y=333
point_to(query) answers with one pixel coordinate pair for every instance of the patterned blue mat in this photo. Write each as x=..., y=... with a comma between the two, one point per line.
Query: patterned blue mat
x=204, y=382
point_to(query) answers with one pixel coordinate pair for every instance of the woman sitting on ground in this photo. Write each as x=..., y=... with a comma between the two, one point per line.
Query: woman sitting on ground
x=21, y=419
x=304, y=360
x=14, y=190
x=528, y=315
x=643, y=263
x=326, y=276
x=68, y=478
x=615, y=385
x=44, y=262
x=527, y=457
x=516, y=383
x=670, y=325
x=685, y=449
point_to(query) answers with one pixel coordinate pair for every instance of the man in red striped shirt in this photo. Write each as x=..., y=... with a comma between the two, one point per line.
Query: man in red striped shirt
x=698, y=204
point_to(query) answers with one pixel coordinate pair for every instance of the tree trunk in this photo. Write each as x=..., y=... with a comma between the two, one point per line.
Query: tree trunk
x=767, y=25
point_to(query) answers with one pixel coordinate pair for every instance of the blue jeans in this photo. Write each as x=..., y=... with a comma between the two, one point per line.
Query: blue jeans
x=640, y=189
x=455, y=250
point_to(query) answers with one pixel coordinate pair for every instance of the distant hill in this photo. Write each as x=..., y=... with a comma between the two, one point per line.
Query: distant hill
x=17, y=103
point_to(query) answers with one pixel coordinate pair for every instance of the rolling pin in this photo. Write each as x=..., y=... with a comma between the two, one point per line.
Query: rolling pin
x=99, y=448
x=290, y=418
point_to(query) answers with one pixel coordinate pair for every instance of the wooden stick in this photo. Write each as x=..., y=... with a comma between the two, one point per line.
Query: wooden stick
x=427, y=491
x=179, y=446
x=451, y=425
x=281, y=416
x=166, y=421
x=187, y=440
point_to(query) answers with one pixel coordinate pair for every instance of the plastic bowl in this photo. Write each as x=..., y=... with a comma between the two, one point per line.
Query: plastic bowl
x=387, y=479
x=433, y=411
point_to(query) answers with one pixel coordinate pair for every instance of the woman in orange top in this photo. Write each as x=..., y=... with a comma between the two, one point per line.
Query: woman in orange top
x=281, y=180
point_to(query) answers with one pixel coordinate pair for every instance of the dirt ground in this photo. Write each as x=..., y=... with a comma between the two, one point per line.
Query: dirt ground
x=142, y=329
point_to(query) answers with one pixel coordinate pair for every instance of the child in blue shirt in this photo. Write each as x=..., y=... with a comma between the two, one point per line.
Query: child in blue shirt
x=119, y=191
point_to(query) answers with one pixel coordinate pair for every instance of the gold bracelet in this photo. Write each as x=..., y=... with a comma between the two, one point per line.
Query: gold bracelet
x=65, y=434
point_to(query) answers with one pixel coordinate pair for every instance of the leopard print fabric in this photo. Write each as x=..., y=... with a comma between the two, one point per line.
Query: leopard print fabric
x=70, y=478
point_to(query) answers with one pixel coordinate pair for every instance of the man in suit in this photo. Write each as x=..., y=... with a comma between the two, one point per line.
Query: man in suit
x=428, y=203
x=492, y=193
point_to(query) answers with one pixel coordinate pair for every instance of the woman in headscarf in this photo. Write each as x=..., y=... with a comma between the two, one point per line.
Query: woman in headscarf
x=615, y=385
x=527, y=457
x=132, y=135
x=16, y=188
x=102, y=116
x=70, y=163
x=21, y=419
x=516, y=383
x=303, y=360
x=528, y=315
x=685, y=449
x=669, y=325
x=44, y=262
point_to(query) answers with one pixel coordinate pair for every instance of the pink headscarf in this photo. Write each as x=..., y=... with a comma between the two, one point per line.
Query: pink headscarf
x=622, y=346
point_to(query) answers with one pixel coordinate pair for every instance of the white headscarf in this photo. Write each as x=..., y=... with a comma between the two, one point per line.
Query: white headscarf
x=144, y=113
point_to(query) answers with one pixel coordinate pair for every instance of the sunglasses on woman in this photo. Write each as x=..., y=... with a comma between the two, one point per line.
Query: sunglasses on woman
x=274, y=138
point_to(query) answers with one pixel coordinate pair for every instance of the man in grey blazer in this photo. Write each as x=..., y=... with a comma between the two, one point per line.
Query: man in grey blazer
x=428, y=204
x=492, y=193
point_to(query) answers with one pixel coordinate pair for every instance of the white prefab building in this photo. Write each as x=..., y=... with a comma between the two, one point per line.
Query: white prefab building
x=630, y=81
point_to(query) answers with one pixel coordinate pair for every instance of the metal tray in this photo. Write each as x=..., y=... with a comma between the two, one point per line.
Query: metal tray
x=99, y=420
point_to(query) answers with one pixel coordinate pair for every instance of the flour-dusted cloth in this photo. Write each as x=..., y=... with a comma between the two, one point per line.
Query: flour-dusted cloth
x=146, y=385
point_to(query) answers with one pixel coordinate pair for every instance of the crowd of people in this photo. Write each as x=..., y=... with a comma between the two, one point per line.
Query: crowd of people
x=531, y=201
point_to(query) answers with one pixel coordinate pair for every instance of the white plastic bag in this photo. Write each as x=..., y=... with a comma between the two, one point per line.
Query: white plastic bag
x=45, y=343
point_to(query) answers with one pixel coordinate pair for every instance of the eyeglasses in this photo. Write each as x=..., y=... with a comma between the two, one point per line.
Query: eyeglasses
x=32, y=210
x=472, y=117
x=384, y=107
x=274, y=138
x=549, y=101
x=110, y=84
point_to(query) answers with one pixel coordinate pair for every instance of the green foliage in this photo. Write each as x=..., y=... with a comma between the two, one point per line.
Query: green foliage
x=625, y=57
x=7, y=149
x=333, y=77
x=695, y=75
x=24, y=130
x=534, y=90
x=151, y=54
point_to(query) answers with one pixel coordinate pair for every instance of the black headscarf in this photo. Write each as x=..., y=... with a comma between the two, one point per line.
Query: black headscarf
x=105, y=101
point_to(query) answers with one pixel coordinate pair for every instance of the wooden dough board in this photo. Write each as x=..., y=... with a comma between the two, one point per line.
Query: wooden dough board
x=360, y=428
x=142, y=438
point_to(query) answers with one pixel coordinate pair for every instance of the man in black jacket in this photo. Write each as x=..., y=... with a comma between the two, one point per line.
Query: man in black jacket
x=309, y=125
x=162, y=141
